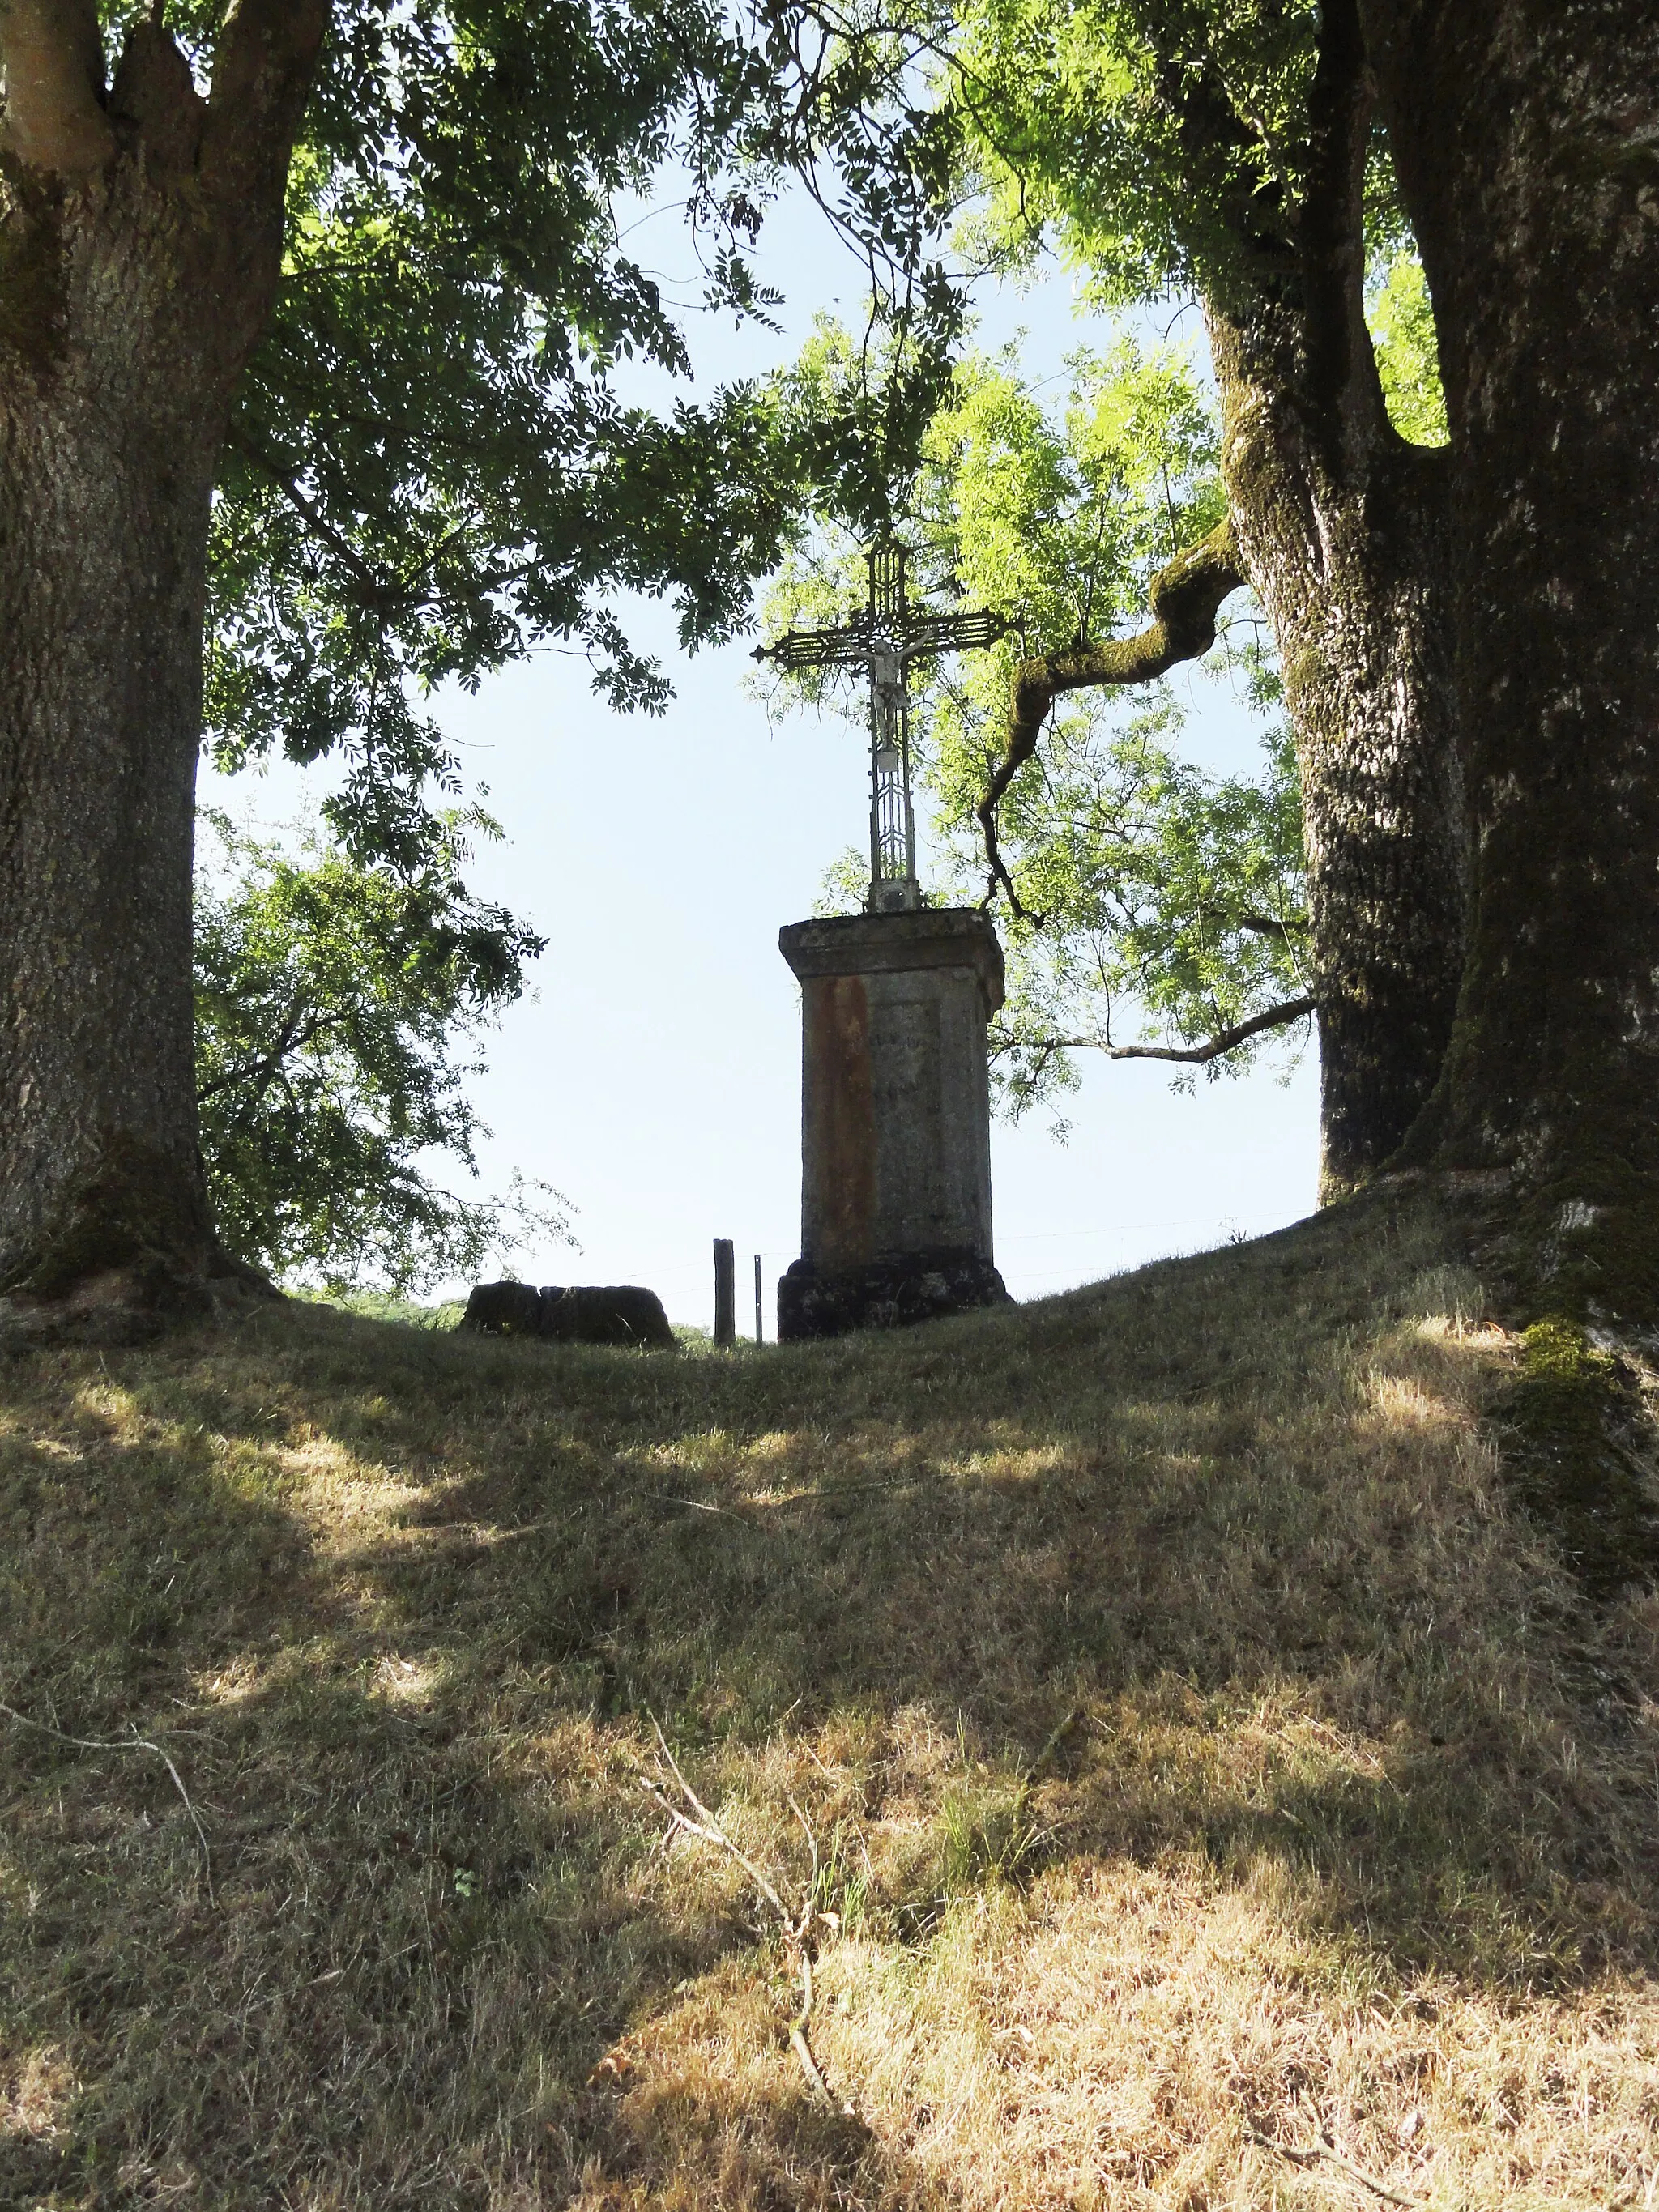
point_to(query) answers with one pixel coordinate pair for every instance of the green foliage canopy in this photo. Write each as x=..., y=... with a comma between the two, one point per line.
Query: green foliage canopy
x=332, y=999
x=1167, y=150
x=1172, y=903
x=1166, y=143
x=429, y=470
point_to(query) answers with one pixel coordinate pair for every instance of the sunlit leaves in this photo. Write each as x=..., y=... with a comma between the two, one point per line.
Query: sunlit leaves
x=1172, y=903
x=1165, y=142
x=429, y=470
x=332, y=1000
x=1408, y=354
x=1059, y=519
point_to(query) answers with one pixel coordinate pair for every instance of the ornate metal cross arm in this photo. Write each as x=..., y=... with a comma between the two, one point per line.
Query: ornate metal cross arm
x=842, y=647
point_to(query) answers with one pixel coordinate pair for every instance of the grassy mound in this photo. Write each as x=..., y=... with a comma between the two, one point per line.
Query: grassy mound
x=1194, y=1779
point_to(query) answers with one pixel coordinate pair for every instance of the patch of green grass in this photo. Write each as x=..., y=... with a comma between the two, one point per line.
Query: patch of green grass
x=1349, y=1825
x=387, y=1305
x=1577, y=1456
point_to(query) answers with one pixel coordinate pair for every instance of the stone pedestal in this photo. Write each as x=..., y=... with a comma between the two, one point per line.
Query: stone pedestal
x=895, y=1120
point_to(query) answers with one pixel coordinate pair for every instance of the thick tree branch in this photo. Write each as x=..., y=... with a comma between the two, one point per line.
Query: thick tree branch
x=267, y=59
x=1340, y=373
x=1224, y=1041
x=154, y=89
x=53, y=59
x=267, y=55
x=1185, y=599
x=266, y=1069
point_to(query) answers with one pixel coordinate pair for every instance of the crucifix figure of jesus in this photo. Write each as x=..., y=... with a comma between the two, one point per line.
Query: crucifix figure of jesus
x=886, y=636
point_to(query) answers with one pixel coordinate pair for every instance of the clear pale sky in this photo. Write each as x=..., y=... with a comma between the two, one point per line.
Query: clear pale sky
x=654, y=1076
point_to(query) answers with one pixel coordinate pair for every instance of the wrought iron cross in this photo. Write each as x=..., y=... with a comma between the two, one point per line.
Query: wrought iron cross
x=887, y=636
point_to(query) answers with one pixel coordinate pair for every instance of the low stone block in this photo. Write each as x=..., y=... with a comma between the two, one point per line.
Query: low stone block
x=504, y=1309
x=815, y=1300
x=612, y=1313
x=609, y=1313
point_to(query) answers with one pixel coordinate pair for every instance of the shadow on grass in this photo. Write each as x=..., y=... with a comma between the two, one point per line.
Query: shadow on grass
x=405, y=1609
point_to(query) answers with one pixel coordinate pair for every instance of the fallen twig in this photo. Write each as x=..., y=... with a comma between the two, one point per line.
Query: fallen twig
x=692, y=1504
x=1056, y=1736
x=135, y=1742
x=796, y=1930
x=712, y=1831
x=797, y=2042
x=1325, y=2152
x=812, y=1846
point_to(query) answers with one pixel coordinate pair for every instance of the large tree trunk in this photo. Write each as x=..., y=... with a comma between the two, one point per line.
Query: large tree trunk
x=1340, y=526
x=1525, y=134
x=138, y=242
x=105, y=474
x=1342, y=529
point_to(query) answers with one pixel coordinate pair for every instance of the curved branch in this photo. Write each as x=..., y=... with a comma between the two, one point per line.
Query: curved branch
x=1224, y=1041
x=377, y=596
x=1185, y=599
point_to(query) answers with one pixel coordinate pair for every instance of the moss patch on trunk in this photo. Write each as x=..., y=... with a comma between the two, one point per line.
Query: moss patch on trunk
x=1575, y=1415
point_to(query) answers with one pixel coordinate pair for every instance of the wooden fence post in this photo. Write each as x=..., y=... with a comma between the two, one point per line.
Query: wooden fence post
x=725, y=1292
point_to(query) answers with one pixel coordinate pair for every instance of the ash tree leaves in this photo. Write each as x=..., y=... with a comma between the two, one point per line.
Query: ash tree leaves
x=429, y=470
x=1165, y=149
x=1061, y=518
x=1174, y=901
x=1115, y=121
x=1171, y=904
x=1407, y=353
x=333, y=1000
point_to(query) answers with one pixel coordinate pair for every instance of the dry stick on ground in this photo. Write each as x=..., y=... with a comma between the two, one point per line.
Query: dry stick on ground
x=1055, y=1737
x=1326, y=2153
x=796, y=1930
x=135, y=1742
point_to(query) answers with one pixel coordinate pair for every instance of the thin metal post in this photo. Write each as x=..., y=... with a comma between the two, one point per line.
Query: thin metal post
x=725, y=1292
x=760, y=1330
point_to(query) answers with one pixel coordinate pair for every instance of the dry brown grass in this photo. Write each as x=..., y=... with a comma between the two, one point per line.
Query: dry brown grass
x=1353, y=1830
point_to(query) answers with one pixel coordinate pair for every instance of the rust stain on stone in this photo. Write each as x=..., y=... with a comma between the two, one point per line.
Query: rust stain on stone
x=842, y=1138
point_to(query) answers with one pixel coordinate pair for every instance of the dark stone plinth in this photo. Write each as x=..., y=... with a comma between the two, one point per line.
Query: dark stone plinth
x=504, y=1309
x=619, y=1313
x=815, y=1301
x=611, y=1312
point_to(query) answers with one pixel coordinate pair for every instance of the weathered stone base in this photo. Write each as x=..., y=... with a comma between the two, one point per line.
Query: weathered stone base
x=885, y=1294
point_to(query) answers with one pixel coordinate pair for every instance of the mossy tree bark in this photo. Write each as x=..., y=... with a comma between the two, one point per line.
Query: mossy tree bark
x=1341, y=526
x=1524, y=133
x=140, y=241
x=1338, y=524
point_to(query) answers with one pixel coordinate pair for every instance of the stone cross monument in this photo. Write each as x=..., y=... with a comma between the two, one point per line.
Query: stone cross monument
x=895, y=1115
